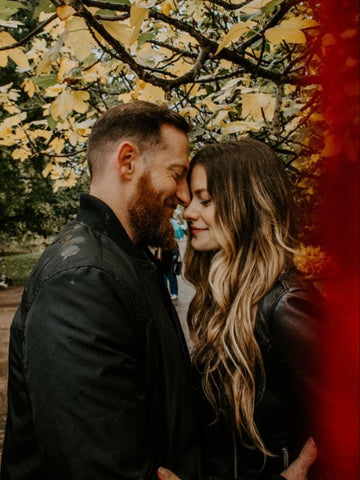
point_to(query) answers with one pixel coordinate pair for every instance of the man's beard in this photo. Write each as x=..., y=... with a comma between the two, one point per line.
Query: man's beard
x=148, y=219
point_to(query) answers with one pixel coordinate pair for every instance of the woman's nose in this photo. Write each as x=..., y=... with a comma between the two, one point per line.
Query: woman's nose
x=189, y=213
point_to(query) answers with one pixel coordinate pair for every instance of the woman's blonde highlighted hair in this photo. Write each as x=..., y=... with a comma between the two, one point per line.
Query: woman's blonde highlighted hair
x=254, y=227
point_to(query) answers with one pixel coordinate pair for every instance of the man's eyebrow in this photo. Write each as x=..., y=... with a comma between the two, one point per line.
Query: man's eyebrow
x=182, y=167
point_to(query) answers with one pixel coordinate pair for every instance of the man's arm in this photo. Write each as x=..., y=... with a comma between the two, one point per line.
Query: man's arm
x=85, y=378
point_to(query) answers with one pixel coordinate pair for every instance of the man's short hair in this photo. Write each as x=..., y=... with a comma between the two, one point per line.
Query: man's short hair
x=137, y=120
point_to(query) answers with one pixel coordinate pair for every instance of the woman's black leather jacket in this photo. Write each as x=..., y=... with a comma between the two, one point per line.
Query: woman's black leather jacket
x=287, y=323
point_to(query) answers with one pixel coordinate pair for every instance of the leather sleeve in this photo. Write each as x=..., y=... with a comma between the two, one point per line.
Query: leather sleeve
x=295, y=324
x=84, y=366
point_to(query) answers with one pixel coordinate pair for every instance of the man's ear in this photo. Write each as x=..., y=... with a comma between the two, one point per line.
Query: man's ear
x=127, y=155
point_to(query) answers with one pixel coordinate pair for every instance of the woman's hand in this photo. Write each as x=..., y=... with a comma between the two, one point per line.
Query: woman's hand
x=165, y=474
x=299, y=468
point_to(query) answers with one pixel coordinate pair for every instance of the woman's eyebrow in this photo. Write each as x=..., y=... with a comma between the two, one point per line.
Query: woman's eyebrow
x=199, y=191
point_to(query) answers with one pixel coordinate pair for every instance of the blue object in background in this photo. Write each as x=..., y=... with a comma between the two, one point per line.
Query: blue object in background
x=179, y=232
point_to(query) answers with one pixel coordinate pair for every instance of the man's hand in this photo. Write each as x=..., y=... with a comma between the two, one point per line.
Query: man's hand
x=299, y=468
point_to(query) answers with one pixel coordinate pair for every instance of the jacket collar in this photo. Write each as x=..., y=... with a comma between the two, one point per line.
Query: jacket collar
x=99, y=216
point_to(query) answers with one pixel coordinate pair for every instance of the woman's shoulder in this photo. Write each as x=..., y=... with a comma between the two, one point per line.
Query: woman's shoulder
x=290, y=284
x=292, y=302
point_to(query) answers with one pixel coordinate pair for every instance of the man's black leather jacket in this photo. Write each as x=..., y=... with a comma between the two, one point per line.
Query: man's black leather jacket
x=99, y=374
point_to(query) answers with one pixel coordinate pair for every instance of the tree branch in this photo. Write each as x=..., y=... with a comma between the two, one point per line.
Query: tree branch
x=32, y=34
x=209, y=45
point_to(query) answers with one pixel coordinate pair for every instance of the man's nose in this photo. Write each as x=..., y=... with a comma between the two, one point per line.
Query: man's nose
x=183, y=193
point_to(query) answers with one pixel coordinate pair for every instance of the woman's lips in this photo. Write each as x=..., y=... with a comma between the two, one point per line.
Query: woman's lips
x=196, y=231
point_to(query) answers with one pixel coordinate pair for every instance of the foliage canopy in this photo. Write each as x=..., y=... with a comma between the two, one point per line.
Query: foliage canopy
x=231, y=67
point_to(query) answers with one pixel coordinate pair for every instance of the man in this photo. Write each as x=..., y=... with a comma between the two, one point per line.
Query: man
x=99, y=372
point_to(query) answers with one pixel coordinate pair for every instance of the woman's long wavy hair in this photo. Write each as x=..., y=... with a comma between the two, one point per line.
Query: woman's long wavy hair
x=255, y=230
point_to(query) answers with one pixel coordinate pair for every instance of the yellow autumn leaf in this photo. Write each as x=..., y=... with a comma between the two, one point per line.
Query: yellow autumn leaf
x=56, y=172
x=313, y=261
x=70, y=181
x=38, y=133
x=237, y=126
x=290, y=30
x=255, y=105
x=65, y=11
x=119, y=31
x=137, y=16
x=254, y=6
x=180, y=67
x=54, y=90
x=79, y=40
x=11, y=108
x=6, y=39
x=278, y=34
x=20, y=154
x=10, y=122
x=328, y=40
x=151, y=93
x=51, y=55
x=189, y=112
x=57, y=145
x=349, y=33
x=3, y=59
x=29, y=87
x=62, y=106
x=47, y=170
x=333, y=146
x=66, y=64
x=218, y=120
x=73, y=138
x=126, y=97
x=19, y=57
x=9, y=139
x=16, y=54
x=167, y=6
x=80, y=104
x=234, y=34
x=97, y=72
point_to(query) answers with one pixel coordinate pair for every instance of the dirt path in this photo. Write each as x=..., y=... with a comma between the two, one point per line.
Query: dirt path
x=9, y=300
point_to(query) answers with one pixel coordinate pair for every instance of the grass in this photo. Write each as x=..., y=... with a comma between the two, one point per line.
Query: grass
x=18, y=267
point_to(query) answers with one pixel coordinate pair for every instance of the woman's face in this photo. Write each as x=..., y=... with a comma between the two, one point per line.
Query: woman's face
x=200, y=213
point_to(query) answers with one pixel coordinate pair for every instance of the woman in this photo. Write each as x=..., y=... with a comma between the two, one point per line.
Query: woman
x=253, y=318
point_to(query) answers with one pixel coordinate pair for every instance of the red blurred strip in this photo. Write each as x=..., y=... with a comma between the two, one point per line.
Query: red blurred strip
x=339, y=227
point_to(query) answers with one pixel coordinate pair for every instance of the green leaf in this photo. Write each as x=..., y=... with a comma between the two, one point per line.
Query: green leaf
x=44, y=81
x=90, y=60
x=8, y=8
x=121, y=2
x=145, y=37
x=45, y=6
x=271, y=6
x=6, y=13
x=52, y=123
x=10, y=4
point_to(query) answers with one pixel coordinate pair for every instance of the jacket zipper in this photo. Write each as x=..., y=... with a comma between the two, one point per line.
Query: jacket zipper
x=285, y=457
